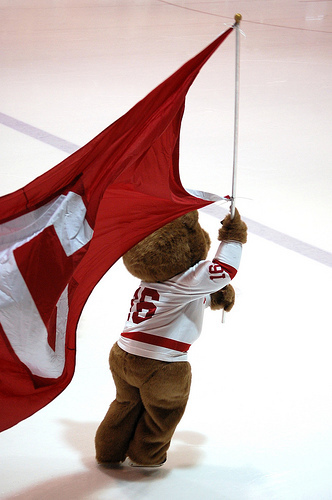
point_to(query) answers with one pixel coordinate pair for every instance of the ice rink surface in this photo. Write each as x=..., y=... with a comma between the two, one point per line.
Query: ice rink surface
x=258, y=422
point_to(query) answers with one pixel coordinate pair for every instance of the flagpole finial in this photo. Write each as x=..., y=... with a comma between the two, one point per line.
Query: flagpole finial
x=237, y=18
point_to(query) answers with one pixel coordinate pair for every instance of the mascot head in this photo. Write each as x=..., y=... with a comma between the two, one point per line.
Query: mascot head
x=170, y=250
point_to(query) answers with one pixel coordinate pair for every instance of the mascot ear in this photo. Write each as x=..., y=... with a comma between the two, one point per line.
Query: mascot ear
x=190, y=220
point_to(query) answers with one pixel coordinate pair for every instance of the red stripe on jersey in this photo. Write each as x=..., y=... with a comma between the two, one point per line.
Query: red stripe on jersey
x=149, y=338
x=226, y=267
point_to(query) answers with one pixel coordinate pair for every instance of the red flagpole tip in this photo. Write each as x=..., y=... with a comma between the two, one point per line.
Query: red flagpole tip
x=237, y=18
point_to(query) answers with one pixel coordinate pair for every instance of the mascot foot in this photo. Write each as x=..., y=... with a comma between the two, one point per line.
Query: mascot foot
x=153, y=466
x=110, y=465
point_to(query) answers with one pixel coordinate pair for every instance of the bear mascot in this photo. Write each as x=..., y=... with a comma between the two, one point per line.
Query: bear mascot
x=149, y=361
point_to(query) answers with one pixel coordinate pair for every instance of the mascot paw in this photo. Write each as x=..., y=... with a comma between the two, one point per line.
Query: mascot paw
x=223, y=299
x=233, y=229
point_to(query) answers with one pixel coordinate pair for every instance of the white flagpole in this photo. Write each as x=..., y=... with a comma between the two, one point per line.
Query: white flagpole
x=236, y=26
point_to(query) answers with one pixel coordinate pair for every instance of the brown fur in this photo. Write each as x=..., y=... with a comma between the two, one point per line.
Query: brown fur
x=233, y=229
x=170, y=250
x=150, y=400
x=223, y=299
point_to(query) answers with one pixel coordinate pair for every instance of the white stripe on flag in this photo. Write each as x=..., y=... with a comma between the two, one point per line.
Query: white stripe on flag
x=19, y=315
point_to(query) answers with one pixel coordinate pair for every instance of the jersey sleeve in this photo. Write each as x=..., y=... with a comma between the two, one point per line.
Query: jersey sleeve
x=228, y=256
x=209, y=276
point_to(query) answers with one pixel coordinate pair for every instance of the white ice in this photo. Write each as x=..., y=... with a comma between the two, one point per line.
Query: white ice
x=258, y=423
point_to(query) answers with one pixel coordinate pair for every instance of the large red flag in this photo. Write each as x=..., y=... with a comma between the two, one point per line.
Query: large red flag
x=63, y=231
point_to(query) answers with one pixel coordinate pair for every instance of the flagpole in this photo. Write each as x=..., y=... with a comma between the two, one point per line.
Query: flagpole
x=236, y=26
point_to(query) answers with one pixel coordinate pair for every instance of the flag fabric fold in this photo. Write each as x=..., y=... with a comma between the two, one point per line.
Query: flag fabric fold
x=61, y=233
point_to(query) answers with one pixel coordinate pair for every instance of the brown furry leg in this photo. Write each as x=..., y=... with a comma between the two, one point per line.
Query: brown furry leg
x=116, y=430
x=164, y=397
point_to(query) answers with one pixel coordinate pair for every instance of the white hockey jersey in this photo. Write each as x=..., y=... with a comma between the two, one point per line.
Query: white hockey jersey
x=165, y=318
